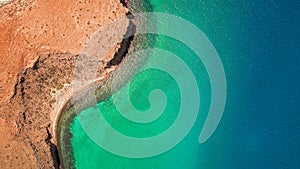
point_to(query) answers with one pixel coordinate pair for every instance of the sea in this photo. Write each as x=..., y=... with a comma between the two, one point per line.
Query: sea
x=258, y=45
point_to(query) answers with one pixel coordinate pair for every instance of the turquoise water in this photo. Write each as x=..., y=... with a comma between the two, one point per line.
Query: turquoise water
x=258, y=44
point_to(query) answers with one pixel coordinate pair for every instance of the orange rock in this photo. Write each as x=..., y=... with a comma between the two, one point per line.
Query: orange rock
x=28, y=27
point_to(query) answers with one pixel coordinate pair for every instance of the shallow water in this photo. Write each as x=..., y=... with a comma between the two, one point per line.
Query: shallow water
x=258, y=44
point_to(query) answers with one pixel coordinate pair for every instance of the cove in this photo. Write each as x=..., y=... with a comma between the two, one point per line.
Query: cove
x=85, y=153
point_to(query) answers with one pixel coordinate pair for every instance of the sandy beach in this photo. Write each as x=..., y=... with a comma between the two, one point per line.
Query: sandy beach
x=66, y=96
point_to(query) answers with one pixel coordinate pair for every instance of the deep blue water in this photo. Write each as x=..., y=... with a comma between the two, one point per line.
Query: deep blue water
x=260, y=52
x=258, y=42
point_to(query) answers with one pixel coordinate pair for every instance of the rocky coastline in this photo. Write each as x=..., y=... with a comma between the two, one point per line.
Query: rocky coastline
x=38, y=54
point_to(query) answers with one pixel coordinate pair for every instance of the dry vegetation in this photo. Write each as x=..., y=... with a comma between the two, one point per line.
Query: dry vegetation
x=39, y=43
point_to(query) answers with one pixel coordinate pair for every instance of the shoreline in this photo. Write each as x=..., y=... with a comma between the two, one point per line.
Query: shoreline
x=62, y=106
x=63, y=134
x=44, y=44
x=68, y=101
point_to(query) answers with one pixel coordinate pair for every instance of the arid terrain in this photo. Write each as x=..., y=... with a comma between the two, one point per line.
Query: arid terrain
x=39, y=43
